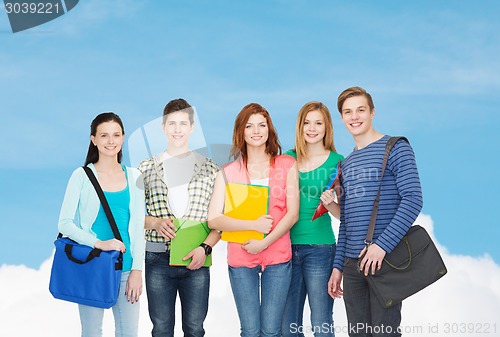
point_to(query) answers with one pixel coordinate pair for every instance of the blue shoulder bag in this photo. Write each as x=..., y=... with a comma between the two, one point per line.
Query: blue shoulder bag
x=86, y=275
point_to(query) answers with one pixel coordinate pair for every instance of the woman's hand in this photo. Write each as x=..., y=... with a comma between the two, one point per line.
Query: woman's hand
x=134, y=286
x=254, y=246
x=327, y=197
x=264, y=224
x=328, y=200
x=112, y=244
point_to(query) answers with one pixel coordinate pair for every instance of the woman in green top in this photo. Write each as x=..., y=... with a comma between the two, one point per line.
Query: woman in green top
x=313, y=242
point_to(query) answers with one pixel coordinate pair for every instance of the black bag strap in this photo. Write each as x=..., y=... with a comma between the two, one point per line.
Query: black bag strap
x=68, y=249
x=104, y=203
x=373, y=219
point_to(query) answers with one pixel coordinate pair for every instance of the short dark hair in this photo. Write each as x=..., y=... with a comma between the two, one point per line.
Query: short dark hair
x=178, y=104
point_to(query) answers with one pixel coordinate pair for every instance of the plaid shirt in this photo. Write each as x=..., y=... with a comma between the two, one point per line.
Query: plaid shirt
x=200, y=190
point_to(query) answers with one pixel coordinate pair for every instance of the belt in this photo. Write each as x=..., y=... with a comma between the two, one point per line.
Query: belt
x=157, y=247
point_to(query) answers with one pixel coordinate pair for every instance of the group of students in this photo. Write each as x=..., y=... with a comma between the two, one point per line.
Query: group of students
x=297, y=258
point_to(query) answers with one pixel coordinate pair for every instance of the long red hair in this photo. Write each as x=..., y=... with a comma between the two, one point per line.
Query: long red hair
x=239, y=147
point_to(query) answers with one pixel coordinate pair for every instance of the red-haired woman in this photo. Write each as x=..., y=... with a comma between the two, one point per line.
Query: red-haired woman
x=259, y=264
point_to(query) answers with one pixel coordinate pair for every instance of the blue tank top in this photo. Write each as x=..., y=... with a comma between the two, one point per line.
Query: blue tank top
x=119, y=203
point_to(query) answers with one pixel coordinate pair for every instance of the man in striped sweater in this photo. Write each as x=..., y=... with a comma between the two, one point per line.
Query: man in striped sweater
x=400, y=204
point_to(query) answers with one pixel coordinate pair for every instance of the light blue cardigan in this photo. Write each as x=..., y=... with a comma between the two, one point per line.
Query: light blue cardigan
x=82, y=204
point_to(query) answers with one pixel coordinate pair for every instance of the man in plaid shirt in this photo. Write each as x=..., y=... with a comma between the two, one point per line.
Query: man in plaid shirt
x=178, y=183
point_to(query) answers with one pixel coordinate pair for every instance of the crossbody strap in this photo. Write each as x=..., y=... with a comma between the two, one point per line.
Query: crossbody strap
x=373, y=219
x=104, y=203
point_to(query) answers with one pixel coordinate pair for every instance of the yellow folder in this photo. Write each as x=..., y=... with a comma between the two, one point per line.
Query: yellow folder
x=188, y=236
x=245, y=202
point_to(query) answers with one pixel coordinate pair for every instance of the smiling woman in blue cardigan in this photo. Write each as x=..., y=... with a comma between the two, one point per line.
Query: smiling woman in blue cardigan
x=83, y=220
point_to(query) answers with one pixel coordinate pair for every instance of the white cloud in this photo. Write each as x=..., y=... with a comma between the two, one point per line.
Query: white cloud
x=467, y=299
x=465, y=302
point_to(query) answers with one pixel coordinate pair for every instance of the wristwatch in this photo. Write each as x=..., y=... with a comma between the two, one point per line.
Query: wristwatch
x=208, y=248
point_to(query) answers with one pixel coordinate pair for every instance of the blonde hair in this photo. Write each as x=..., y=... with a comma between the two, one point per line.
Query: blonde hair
x=300, y=143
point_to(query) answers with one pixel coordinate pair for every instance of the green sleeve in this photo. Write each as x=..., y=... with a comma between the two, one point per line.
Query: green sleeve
x=291, y=152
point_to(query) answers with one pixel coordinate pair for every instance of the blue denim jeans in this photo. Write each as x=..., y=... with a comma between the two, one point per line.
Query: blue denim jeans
x=163, y=282
x=311, y=270
x=366, y=316
x=260, y=312
x=125, y=313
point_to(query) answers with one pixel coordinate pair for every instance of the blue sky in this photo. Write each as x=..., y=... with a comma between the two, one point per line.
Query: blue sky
x=431, y=66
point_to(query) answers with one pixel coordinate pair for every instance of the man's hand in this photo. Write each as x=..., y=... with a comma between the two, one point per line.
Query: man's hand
x=198, y=258
x=334, y=289
x=165, y=227
x=372, y=260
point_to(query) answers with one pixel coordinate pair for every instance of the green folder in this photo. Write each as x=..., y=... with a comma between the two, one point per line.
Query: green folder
x=188, y=236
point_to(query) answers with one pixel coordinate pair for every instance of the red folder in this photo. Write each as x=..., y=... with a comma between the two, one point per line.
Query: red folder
x=321, y=209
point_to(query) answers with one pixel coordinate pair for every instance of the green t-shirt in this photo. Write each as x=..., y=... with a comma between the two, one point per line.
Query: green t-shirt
x=312, y=184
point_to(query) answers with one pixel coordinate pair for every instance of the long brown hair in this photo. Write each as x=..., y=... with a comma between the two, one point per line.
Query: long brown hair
x=239, y=147
x=300, y=143
x=93, y=153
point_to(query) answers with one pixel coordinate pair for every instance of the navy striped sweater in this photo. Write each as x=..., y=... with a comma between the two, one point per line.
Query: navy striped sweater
x=400, y=198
